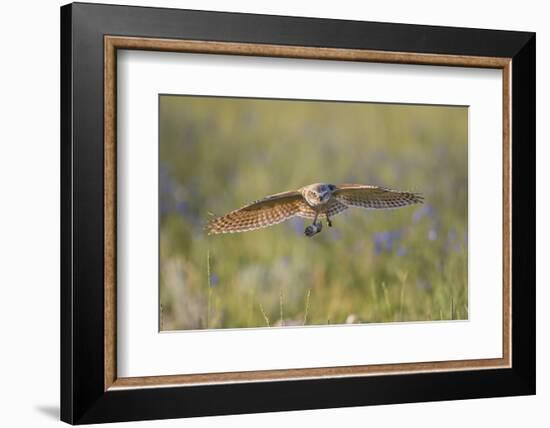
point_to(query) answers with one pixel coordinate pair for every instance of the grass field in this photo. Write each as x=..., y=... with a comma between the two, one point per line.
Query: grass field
x=218, y=154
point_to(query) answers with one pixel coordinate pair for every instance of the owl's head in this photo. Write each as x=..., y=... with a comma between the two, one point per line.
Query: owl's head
x=318, y=193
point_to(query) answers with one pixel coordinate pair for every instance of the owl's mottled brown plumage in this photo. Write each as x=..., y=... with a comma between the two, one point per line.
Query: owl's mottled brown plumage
x=319, y=200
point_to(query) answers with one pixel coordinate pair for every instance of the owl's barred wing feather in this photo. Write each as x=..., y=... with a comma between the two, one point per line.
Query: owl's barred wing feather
x=335, y=207
x=266, y=212
x=358, y=195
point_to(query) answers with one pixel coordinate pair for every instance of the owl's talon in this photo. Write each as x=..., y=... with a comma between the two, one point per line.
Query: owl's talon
x=329, y=222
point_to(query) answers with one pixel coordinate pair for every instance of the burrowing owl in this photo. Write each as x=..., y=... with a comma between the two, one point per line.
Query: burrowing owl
x=313, y=202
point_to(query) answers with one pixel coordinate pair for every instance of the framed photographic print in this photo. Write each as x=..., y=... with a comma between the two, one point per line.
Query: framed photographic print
x=265, y=213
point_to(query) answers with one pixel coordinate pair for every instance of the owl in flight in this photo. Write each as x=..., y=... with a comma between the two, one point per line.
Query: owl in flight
x=316, y=201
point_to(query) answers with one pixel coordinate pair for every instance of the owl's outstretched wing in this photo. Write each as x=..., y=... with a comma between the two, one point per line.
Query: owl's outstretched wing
x=364, y=196
x=266, y=212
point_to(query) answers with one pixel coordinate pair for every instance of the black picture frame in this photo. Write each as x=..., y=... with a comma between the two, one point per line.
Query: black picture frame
x=83, y=398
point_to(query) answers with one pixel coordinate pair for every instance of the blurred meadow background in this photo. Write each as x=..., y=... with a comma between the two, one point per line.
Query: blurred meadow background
x=218, y=154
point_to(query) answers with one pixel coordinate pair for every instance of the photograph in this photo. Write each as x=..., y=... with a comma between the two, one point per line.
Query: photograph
x=292, y=213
